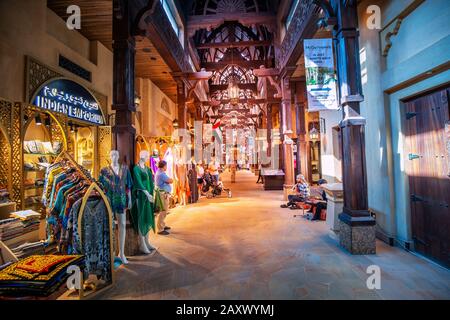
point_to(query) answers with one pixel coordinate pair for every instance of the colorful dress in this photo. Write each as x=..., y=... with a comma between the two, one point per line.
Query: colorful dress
x=142, y=212
x=116, y=187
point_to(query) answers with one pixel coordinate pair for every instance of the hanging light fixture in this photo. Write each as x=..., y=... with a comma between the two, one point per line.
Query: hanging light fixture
x=175, y=124
x=233, y=88
x=234, y=121
x=38, y=120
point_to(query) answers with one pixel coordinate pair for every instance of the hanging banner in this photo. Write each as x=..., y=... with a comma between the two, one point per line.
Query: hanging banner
x=207, y=133
x=320, y=75
x=68, y=97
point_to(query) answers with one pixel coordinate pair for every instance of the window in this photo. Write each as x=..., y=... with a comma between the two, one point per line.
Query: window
x=171, y=17
x=290, y=15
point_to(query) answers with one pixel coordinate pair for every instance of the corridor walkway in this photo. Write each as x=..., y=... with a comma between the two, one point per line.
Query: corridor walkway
x=248, y=247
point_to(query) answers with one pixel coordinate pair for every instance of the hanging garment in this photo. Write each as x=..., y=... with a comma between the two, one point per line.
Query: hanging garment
x=154, y=164
x=142, y=213
x=168, y=157
x=92, y=238
x=116, y=187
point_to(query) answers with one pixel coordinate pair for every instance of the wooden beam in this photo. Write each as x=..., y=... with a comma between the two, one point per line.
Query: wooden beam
x=208, y=22
x=235, y=44
x=266, y=72
x=217, y=66
x=236, y=110
x=243, y=86
x=250, y=116
x=249, y=101
x=201, y=75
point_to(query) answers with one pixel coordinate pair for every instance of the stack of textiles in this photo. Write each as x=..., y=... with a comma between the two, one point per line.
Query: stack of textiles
x=20, y=223
x=29, y=218
x=10, y=228
x=39, y=147
x=28, y=249
x=64, y=190
x=36, y=166
x=4, y=195
x=37, y=275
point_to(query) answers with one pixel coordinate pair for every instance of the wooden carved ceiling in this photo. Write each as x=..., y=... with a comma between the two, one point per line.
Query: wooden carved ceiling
x=96, y=25
x=231, y=38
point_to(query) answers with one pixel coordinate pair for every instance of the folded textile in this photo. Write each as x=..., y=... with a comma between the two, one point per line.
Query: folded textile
x=15, y=280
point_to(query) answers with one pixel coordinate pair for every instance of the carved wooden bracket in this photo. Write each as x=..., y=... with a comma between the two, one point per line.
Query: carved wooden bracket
x=390, y=31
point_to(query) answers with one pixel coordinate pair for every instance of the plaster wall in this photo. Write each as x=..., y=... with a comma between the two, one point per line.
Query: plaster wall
x=331, y=165
x=422, y=43
x=28, y=27
x=155, y=120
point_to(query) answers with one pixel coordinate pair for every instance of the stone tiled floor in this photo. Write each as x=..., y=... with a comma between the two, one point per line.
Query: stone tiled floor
x=248, y=247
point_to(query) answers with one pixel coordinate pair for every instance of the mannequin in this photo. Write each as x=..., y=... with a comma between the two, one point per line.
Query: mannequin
x=142, y=211
x=117, y=183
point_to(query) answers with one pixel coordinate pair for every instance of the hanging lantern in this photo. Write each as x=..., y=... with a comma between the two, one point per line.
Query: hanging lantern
x=234, y=121
x=233, y=91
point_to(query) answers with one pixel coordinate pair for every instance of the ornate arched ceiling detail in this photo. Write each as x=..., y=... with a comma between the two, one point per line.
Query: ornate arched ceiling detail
x=209, y=7
x=233, y=72
x=233, y=33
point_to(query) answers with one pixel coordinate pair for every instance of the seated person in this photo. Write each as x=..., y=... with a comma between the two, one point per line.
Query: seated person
x=319, y=204
x=302, y=189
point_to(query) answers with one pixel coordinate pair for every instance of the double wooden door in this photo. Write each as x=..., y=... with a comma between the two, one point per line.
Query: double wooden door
x=428, y=156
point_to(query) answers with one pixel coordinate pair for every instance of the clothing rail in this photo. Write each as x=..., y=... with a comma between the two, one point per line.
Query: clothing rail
x=94, y=186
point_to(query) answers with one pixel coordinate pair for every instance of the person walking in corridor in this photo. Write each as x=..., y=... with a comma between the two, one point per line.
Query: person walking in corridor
x=163, y=184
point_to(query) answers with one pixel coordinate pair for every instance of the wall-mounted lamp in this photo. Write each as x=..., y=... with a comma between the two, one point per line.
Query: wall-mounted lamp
x=314, y=134
x=47, y=121
x=38, y=120
x=137, y=99
x=175, y=123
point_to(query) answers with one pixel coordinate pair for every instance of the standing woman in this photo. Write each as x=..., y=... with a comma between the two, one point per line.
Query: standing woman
x=200, y=174
x=142, y=212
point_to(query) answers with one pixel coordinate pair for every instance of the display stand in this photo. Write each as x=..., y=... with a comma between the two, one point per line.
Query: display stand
x=6, y=255
x=94, y=187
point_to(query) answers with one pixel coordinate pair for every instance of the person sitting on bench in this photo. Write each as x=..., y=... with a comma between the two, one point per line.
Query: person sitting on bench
x=319, y=204
x=302, y=189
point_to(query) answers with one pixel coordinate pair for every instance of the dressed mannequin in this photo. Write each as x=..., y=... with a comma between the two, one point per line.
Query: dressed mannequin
x=142, y=212
x=117, y=183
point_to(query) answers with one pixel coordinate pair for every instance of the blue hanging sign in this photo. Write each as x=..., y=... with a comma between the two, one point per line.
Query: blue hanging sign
x=68, y=97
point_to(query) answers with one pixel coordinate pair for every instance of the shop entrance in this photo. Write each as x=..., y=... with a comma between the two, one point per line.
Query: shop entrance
x=427, y=154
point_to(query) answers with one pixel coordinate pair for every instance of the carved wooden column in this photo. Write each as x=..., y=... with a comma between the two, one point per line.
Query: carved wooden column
x=269, y=129
x=302, y=150
x=357, y=227
x=286, y=133
x=123, y=84
x=181, y=104
x=123, y=99
x=281, y=138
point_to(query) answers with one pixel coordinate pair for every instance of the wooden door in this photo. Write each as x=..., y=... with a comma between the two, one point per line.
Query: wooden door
x=427, y=143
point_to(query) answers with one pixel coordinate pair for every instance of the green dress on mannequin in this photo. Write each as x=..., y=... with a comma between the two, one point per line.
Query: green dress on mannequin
x=142, y=213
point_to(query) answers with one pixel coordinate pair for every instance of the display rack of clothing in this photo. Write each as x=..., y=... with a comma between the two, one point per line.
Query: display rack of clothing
x=79, y=217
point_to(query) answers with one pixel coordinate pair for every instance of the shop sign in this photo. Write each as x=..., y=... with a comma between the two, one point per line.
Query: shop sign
x=320, y=75
x=68, y=97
